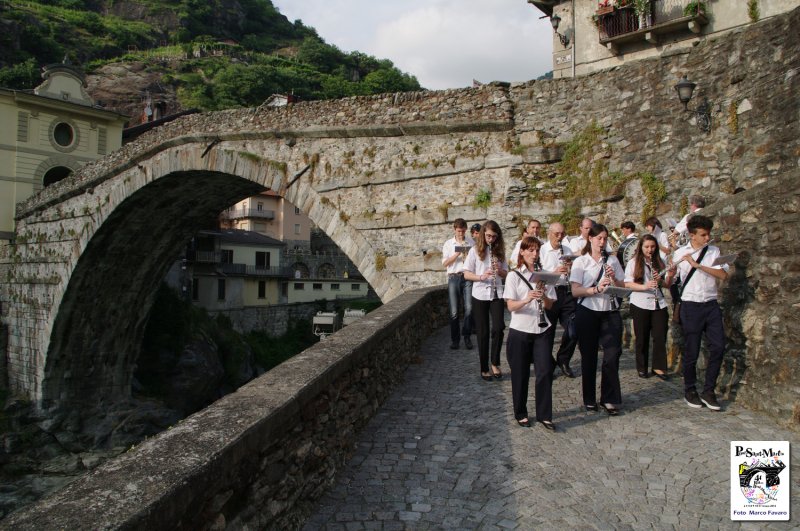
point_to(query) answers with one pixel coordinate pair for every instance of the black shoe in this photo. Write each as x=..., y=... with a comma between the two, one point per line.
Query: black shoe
x=664, y=377
x=590, y=407
x=454, y=346
x=486, y=377
x=525, y=423
x=566, y=370
x=467, y=343
x=693, y=399
x=612, y=411
x=643, y=374
x=547, y=424
x=498, y=374
x=710, y=400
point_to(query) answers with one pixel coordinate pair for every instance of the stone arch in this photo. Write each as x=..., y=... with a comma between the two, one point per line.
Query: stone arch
x=326, y=270
x=55, y=169
x=127, y=228
x=300, y=270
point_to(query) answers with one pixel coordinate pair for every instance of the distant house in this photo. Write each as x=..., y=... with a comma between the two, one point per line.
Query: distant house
x=280, y=100
x=47, y=134
x=595, y=35
x=232, y=269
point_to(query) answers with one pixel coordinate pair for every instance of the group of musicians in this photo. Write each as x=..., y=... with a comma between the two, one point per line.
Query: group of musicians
x=578, y=282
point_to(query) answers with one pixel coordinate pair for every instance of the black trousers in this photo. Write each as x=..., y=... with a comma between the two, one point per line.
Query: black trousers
x=561, y=311
x=697, y=318
x=521, y=349
x=489, y=340
x=599, y=329
x=645, y=323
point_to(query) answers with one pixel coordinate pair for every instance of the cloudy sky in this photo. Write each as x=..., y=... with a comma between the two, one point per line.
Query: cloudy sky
x=445, y=43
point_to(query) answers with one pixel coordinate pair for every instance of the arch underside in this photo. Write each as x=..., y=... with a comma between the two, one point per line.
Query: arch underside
x=98, y=330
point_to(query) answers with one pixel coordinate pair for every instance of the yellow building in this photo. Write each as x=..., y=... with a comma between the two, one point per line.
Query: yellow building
x=47, y=134
x=272, y=215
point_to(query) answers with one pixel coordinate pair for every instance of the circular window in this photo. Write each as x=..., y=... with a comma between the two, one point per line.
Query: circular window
x=64, y=134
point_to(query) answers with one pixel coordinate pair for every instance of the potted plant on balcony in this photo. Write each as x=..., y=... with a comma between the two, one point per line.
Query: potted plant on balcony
x=694, y=8
x=644, y=12
x=604, y=7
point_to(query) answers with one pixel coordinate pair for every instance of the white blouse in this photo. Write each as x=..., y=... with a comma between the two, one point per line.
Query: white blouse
x=585, y=271
x=526, y=319
x=646, y=300
x=482, y=289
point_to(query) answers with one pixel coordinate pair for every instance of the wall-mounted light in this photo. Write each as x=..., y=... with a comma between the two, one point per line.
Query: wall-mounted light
x=555, y=20
x=685, y=88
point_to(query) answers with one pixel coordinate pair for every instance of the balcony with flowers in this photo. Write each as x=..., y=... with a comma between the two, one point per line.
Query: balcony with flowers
x=622, y=21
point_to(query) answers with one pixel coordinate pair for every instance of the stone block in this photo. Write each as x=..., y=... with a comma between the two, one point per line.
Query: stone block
x=406, y=264
x=543, y=154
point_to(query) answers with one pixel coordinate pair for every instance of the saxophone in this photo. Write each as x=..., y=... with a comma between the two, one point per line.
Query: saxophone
x=537, y=266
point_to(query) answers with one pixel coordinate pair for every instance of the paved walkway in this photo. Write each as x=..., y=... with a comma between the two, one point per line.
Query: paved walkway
x=444, y=452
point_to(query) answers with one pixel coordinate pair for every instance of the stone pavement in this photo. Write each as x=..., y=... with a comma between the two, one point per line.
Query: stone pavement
x=444, y=452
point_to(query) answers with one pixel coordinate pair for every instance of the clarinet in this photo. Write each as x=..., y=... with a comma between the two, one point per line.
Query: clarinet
x=539, y=302
x=493, y=259
x=612, y=299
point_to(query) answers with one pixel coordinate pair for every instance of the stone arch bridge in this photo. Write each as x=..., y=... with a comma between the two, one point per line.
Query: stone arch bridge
x=383, y=176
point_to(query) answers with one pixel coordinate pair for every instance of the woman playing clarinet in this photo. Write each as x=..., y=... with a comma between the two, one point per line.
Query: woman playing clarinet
x=645, y=274
x=486, y=267
x=597, y=320
x=528, y=340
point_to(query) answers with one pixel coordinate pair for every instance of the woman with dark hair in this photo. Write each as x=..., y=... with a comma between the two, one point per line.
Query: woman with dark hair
x=643, y=274
x=597, y=320
x=528, y=337
x=486, y=267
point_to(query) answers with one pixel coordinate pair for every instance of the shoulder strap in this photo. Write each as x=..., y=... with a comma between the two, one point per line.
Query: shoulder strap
x=525, y=280
x=599, y=275
x=689, y=276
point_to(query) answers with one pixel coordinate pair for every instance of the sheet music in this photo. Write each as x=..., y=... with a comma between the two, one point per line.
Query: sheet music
x=547, y=278
x=614, y=291
x=725, y=259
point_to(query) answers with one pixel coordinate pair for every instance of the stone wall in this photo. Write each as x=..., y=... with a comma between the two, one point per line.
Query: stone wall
x=259, y=457
x=761, y=299
x=273, y=320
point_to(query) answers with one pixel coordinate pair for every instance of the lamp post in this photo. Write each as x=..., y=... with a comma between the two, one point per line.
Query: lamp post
x=555, y=20
x=685, y=89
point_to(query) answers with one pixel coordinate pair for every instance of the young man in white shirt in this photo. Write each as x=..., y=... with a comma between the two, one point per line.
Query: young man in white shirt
x=454, y=252
x=699, y=310
x=563, y=308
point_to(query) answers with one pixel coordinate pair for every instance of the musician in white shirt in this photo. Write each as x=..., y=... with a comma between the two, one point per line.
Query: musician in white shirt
x=653, y=226
x=597, y=321
x=644, y=274
x=528, y=336
x=579, y=242
x=533, y=228
x=458, y=287
x=486, y=267
x=563, y=309
x=696, y=203
x=699, y=310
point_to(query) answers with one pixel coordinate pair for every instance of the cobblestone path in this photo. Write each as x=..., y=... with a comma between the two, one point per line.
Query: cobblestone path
x=444, y=452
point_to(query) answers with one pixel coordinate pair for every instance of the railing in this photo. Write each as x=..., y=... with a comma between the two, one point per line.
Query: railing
x=241, y=213
x=625, y=20
x=259, y=271
x=204, y=257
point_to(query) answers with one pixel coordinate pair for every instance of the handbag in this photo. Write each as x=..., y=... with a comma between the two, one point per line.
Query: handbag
x=676, y=305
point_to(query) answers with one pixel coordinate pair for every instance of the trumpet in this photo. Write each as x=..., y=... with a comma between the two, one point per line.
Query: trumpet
x=540, y=302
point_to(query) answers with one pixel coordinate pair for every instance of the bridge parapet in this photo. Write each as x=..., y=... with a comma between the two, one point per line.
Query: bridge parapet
x=258, y=457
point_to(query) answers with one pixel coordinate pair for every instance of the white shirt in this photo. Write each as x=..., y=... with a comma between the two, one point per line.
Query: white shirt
x=526, y=319
x=482, y=289
x=680, y=228
x=549, y=257
x=645, y=300
x=702, y=287
x=662, y=240
x=585, y=270
x=449, y=249
x=515, y=252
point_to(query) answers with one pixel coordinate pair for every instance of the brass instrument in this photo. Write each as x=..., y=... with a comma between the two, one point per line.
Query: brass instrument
x=537, y=266
x=615, y=237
